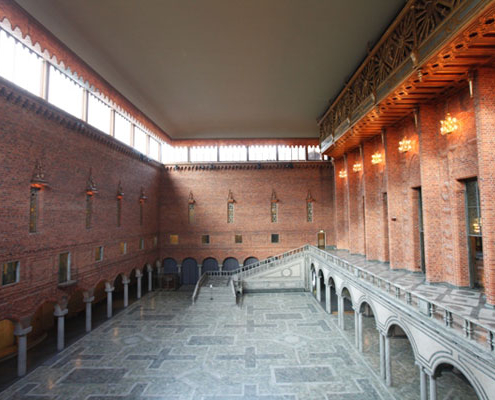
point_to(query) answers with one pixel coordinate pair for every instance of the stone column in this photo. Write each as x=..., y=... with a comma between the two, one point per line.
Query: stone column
x=328, y=298
x=60, y=314
x=433, y=387
x=139, y=275
x=382, y=355
x=220, y=267
x=125, y=282
x=109, y=289
x=150, y=277
x=422, y=383
x=21, y=334
x=360, y=331
x=88, y=300
x=341, y=311
x=318, y=288
x=388, y=361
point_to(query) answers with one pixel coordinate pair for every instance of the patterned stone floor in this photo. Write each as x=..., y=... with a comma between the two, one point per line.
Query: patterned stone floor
x=273, y=347
x=465, y=302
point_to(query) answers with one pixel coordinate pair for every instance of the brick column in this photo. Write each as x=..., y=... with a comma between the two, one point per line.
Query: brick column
x=485, y=124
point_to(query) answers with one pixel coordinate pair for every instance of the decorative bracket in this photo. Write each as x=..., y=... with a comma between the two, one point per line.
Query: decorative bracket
x=120, y=191
x=91, y=184
x=38, y=180
x=231, y=197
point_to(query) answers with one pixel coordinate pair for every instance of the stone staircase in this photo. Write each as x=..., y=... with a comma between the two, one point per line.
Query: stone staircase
x=218, y=289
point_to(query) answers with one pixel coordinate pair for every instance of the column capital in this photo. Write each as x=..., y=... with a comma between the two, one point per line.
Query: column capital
x=60, y=313
x=125, y=280
x=89, y=299
x=139, y=274
x=20, y=331
x=109, y=288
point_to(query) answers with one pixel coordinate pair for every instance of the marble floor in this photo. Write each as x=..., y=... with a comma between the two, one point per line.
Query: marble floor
x=280, y=346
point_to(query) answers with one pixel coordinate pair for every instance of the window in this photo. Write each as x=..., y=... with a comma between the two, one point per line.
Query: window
x=171, y=154
x=98, y=114
x=203, y=153
x=474, y=233
x=205, y=239
x=190, y=212
x=233, y=153
x=65, y=93
x=89, y=210
x=275, y=238
x=140, y=140
x=238, y=238
x=119, y=212
x=274, y=211
x=262, y=153
x=309, y=211
x=99, y=253
x=174, y=239
x=10, y=272
x=33, y=210
x=123, y=248
x=64, y=267
x=155, y=241
x=154, y=149
x=20, y=65
x=291, y=153
x=230, y=212
x=141, y=244
x=122, y=130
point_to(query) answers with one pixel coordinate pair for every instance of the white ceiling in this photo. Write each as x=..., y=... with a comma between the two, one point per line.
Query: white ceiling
x=222, y=68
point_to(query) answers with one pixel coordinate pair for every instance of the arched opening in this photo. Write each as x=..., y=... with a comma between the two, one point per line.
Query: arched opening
x=332, y=306
x=99, y=309
x=209, y=264
x=313, y=280
x=370, y=337
x=250, y=260
x=168, y=276
x=230, y=264
x=132, y=286
x=323, y=291
x=169, y=266
x=349, y=323
x=118, y=294
x=452, y=383
x=8, y=345
x=144, y=280
x=403, y=367
x=189, y=272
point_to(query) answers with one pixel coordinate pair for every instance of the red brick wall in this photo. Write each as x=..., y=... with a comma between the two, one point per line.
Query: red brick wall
x=403, y=176
x=356, y=204
x=485, y=121
x=341, y=206
x=252, y=190
x=445, y=162
x=375, y=183
x=32, y=130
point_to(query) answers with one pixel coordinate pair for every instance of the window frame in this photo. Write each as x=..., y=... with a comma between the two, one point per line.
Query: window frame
x=17, y=273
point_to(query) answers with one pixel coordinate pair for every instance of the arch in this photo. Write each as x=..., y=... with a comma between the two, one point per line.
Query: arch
x=145, y=279
x=250, y=260
x=8, y=344
x=230, y=264
x=189, y=271
x=394, y=321
x=209, y=264
x=362, y=302
x=170, y=266
x=346, y=293
x=443, y=363
x=331, y=282
x=75, y=303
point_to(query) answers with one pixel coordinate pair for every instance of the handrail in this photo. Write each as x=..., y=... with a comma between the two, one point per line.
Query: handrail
x=449, y=318
x=198, y=285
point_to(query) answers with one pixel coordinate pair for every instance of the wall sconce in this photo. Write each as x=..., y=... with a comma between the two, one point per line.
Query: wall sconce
x=343, y=173
x=405, y=145
x=357, y=167
x=477, y=226
x=377, y=158
x=448, y=125
x=91, y=184
x=38, y=180
x=120, y=192
x=143, y=197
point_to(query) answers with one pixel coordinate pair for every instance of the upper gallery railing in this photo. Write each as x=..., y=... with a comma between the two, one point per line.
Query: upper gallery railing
x=400, y=45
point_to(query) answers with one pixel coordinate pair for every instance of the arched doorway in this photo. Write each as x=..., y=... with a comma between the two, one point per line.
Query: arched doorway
x=250, y=260
x=348, y=310
x=332, y=306
x=209, y=264
x=321, y=279
x=313, y=280
x=170, y=266
x=230, y=264
x=189, y=272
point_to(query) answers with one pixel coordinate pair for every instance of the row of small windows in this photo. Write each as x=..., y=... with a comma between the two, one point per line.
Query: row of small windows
x=23, y=66
x=11, y=269
x=205, y=239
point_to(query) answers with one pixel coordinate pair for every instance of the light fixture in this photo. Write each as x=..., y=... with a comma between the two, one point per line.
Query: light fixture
x=343, y=173
x=376, y=158
x=477, y=225
x=405, y=145
x=448, y=125
x=357, y=167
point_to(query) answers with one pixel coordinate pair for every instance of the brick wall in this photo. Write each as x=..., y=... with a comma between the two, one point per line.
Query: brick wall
x=32, y=130
x=252, y=190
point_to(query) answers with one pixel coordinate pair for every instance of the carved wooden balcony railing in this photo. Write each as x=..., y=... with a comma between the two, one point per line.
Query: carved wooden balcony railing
x=418, y=33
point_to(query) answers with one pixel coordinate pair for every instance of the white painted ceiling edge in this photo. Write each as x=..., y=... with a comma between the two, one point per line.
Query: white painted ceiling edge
x=211, y=69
